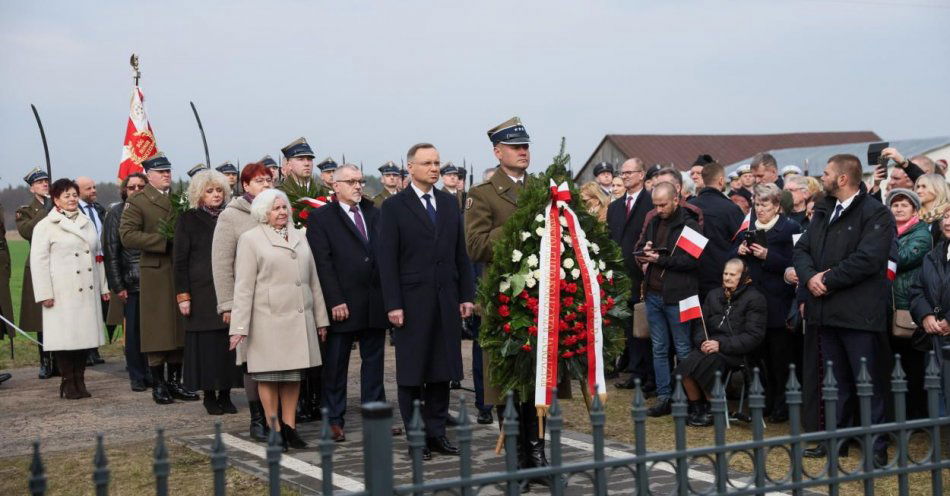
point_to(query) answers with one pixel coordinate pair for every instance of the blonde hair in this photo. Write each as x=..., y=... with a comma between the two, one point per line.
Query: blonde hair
x=593, y=190
x=814, y=186
x=201, y=181
x=937, y=184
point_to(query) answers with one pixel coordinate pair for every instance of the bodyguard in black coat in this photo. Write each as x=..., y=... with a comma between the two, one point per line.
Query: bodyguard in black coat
x=842, y=260
x=343, y=247
x=428, y=287
x=625, y=228
x=722, y=219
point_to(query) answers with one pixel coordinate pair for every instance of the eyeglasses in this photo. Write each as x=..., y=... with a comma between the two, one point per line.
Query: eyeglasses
x=134, y=188
x=352, y=182
x=262, y=180
x=630, y=173
x=431, y=163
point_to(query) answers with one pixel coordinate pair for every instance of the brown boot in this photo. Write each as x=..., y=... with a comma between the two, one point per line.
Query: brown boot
x=79, y=373
x=67, y=388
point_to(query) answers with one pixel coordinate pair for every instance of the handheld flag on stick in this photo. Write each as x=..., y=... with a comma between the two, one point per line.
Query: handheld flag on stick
x=746, y=222
x=692, y=242
x=690, y=309
x=891, y=269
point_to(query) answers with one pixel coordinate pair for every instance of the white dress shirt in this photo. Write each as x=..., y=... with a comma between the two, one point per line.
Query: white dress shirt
x=419, y=193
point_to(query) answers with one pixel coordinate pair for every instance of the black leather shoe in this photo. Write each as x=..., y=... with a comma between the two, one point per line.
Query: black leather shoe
x=4, y=377
x=211, y=404
x=224, y=401
x=291, y=437
x=880, y=458
x=649, y=387
x=661, y=408
x=455, y=385
x=485, y=418
x=442, y=445
x=628, y=384
x=47, y=365
x=94, y=357
x=160, y=394
x=819, y=451
x=138, y=386
x=426, y=454
x=175, y=388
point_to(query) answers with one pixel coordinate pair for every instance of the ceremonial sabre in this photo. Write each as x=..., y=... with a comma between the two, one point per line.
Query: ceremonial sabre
x=202, y=129
x=21, y=331
x=49, y=171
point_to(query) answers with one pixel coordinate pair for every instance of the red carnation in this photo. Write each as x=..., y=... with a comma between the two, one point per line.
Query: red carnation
x=568, y=301
x=578, y=326
x=600, y=278
x=581, y=351
x=602, y=293
x=606, y=322
x=503, y=298
x=504, y=311
x=582, y=308
x=610, y=281
x=570, y=316
x=526, y=347
x=506, y=328
x=532, y=330
x=610, y=303
x=523, y=294
x=304, y=214
x=567, y=354
x=562, y=325
x=571, y=287
x=563, y=285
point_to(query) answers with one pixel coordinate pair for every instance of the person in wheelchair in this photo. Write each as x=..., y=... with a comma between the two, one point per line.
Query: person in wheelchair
x=733, y=325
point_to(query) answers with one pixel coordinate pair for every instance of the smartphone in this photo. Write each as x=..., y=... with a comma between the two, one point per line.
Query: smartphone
x=874, y=154
x=661, y=251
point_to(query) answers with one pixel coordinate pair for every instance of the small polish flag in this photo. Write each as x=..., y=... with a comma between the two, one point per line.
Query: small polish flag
x=692, y=242
x=690, y=309
x=891, y=269
x=746, y=222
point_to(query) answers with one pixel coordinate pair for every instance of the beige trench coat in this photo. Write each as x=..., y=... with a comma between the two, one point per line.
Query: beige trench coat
x=63, y=259
x=278, y=303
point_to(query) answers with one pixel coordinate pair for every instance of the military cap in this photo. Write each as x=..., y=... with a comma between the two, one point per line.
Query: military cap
x=389, y=168
x=510, y=132
x=327, y=165
x=448, y=169
x=733, y=176
x=157, y=162
x=227, y=168
x=603, y=167
x=703, y=159
x=462, y=171
x=298, y=148
x=196, y=169
x=268, y=161
x=35, y=175
x=791, y=169
x=651, y=171
x=403, y=173
x=744, y=169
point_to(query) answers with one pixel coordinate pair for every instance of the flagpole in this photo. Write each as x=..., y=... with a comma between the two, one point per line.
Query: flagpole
x=703, y=320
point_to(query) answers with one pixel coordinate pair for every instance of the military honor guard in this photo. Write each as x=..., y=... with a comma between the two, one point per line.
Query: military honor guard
x=428, y=288
x=6, y=301
x=390, y=177
x=196, y=169
x=273, y=166
x=27, y=217
x=604, y=177
x=450, y=183
x=299, y=180
x=327, y=166
x=162, y=329
x=231, y=172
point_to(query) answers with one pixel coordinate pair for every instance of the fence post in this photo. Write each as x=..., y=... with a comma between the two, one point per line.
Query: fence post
x=718, y=410
x=793, y=397
x=597, y=420
x=274, y=451
x=899, y=390
x=219, y=460
x=679, y=430
x=829, y=391
x=378, y=447
x=463, y=434
x=325, y=446
x=757, y=405
x=160, y=465
x=555, y=424
x=100, y=476
x=639, y=413
x=510, y=429
x=37, y=472
x=417, y=442
x=864, y=391
x=932, y=385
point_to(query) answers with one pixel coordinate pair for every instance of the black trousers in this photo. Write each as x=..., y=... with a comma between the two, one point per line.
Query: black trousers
x=478, y=371
x=845, y=348
x=780, y=349
x=336, y=364
x=134, y=358
x=435, y=406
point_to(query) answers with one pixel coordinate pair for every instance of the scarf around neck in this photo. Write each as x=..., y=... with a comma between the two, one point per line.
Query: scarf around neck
x=911, y=222
x=768, y=225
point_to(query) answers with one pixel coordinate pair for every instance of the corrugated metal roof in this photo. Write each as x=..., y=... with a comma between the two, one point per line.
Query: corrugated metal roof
x=817, y=156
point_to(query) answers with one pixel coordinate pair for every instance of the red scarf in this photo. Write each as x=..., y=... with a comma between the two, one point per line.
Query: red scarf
x=902, y=228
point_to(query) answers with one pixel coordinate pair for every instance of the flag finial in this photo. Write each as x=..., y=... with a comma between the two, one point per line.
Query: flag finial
x=134, y=62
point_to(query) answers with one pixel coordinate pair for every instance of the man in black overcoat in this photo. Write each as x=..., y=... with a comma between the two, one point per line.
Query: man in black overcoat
x=342, y=237
x=428, y=288
x=625, y=217
x=722, y=220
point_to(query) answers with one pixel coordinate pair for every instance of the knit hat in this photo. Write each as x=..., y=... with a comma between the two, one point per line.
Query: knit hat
x=910, y=195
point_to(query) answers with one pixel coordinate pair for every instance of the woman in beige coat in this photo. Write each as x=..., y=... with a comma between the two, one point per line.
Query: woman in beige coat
x=278, y=309
x=69, y=282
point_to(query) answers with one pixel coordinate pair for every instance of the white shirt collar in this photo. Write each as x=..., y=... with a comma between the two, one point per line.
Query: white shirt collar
x=847, y=203
x=419, y=192
x=516, y=179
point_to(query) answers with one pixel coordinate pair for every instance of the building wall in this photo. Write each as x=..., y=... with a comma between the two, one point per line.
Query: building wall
x=606, y=152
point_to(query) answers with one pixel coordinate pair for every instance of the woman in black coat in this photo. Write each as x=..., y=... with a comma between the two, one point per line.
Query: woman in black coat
x=209, y=365
x=734, y=317
x=768, y=252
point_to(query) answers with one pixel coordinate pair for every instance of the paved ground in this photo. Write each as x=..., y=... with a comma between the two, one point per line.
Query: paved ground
x=31, y=409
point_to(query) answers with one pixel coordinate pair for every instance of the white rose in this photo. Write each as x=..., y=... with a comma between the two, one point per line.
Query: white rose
x=516, y=256
x=609, y=274
x=563, y=221
x=539, y=231
x=532, y=260
x=594, y=248
x=563, y=274
x=601, y=265
x=539, y=218
x=576, y=273
x=567, y=240
x=530, y=282
x=536, y=274
x=568, y=263
x=525, y=235
x=504, y=286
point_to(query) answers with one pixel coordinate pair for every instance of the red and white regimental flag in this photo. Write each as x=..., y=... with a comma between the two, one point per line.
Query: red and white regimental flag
x=139, y=143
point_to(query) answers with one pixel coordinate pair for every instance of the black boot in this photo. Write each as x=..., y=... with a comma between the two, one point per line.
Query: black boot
x=47, y=364
x=79, y=373
x=315, y=402
x=175, y=387
x=259, y=428
x=519, y=443
x=291, y=437
x=159, y=388
x=224, y=401
x=533, y=441
x=93, y=358
x=211, y=403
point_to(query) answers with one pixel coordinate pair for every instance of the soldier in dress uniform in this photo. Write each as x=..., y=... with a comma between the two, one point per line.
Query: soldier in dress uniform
x=299, y=181
x=327, y=166
x=487, y=207
x=27, y=217
x=604, y=177
x=404, y=179
x=450, y=182
x=162, y=329
x=6, y=302
x=389, y=176
x=230, y=172
x=196, y=169
x=274, y=167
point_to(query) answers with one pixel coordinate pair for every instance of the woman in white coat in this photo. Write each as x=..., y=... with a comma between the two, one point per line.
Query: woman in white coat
x=69, y=280
x=278, y=309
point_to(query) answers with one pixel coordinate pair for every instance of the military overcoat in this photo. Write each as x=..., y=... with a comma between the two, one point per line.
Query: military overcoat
x=31, y=313
x=6, y=302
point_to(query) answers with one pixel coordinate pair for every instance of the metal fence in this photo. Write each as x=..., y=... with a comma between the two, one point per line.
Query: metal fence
x=597, y=472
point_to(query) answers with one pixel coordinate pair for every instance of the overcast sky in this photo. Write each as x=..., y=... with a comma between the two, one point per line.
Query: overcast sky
x=369, y=79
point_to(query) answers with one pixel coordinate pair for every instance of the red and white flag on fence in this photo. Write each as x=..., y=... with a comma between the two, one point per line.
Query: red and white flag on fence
x=690, y=309
x=891, y=269
x=139, y=143
x=692, y=242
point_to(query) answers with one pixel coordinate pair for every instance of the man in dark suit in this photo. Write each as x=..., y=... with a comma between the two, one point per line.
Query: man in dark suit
x=342, y=237
x=625, y=217
x=428, y=288
x=96, y=213
x=722, y=219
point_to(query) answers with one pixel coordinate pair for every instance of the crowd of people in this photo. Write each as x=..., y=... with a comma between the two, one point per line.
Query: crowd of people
x=243, y=290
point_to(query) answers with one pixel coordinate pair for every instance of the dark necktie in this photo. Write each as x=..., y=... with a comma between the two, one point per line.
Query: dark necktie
x=92, y=217
x=629, y=204
x=429, y=208
x=834, y=216
x=358, y=219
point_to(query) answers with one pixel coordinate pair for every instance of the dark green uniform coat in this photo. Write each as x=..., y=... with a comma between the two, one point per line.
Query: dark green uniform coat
x=381, y=197
x=6, y=302
x=31, y=312
x=161, y=325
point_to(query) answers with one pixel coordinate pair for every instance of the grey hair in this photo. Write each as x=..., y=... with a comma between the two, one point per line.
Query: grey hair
x=339, y=170
x=689, y=187
x=264, y=202
x=797, y=180
x=767, y=192
x=201, y=181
